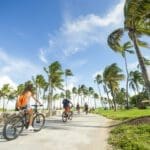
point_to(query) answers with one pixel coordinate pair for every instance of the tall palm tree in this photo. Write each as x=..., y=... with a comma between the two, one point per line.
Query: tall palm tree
x=54, y=72
x=55, y=98
x=98, y=80
x=122, y=49
x=95, y=96
x=112, y=75
x=74, y=92
x=137, y=23
x=91, y=92
x=39, y=82
x=68, y=73
x=62, y=96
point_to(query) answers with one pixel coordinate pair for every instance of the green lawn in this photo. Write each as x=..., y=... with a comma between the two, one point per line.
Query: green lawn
x=123, y=114
x=128, y=137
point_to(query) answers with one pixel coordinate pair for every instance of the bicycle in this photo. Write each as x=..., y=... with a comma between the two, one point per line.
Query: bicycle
x=15, y=125
x=67, y=116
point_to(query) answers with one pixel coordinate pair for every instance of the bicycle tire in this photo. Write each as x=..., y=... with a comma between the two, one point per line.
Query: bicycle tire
x=70, y=115
x=64, y=117
x=13, y=124
x=38, y=122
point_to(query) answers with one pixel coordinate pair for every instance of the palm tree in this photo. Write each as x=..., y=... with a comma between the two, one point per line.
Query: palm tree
x=98, y=80
x=39, y=82
x=122, y=49
x=74, y=92
x=5, y=90
x=112, y=75
x=135, y=80
x=54, y=72
x=62, y=96
x=137, y=23
x=68, y=73
x=55, y=98
x=20, y=88
x=95, y=96
x=91, y=92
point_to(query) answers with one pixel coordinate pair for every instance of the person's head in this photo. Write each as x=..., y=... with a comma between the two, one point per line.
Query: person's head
x=28, y=88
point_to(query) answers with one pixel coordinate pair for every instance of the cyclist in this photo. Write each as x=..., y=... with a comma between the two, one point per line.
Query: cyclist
x=86, y=107
x=78, y=108
x=67, y=105
x=23, y=102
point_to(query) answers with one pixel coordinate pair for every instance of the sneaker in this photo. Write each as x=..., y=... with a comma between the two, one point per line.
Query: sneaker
x=30, y=128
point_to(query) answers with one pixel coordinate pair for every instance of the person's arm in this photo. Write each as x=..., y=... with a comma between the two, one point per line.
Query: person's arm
x=36, y=100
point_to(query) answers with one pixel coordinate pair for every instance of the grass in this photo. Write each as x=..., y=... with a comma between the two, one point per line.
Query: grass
x=128, y=137
x=123, y=114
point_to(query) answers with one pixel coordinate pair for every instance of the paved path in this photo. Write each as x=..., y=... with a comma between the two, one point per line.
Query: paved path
x=84, y=132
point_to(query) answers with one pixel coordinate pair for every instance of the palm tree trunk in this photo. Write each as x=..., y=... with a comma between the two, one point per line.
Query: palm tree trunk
x=127, y=96
x=100, y=95
x=113, y=96
x=95, y=102
x=141, y=63
x=66, y=87
x=3, y=104
x=105, y=89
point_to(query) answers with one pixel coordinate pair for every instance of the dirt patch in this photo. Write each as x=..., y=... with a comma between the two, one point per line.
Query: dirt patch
x=139, y=120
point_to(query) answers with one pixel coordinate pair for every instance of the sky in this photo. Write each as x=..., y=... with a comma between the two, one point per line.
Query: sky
x=35, y=33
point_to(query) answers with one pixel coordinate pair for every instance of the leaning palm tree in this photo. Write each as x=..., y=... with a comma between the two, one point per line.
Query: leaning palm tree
x=54, y=72
x=112, y=75
x=137, y=23
x=98, y=80
x=122, y=49
x=68, y=73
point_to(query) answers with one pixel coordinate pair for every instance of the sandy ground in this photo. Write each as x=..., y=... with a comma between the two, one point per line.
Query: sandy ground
x=84, y=132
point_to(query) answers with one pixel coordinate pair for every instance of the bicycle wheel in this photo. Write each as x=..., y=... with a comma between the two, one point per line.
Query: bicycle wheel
x=64, y=117
x=13, y=128
x=38, y=122
x=70, y=115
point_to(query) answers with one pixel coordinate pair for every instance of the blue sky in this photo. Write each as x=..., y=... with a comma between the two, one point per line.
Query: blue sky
x=34, y=33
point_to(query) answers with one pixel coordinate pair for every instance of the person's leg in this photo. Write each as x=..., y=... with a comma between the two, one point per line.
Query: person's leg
x=30, y=112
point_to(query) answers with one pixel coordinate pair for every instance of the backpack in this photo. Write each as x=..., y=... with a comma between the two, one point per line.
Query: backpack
x=21, y=102
x=65, y=102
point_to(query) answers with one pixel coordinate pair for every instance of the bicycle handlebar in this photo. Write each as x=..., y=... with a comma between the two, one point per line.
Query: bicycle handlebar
x=37, y=105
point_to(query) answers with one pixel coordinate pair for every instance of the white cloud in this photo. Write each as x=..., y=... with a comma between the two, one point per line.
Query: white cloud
x=16, y=69
x=7, y=80
x=78, y=34
x=42, y=55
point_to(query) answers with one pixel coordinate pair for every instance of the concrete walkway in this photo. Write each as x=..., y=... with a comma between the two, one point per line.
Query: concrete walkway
x=84, y=132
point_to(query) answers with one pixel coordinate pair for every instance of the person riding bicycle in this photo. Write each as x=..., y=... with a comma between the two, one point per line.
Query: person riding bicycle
x=78, y=108
x=66, y=105
x=86, y=107
x=23, y=102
